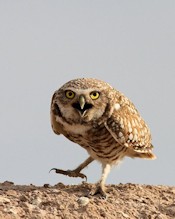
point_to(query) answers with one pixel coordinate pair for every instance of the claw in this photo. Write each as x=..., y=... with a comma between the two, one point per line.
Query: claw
x=70, y=173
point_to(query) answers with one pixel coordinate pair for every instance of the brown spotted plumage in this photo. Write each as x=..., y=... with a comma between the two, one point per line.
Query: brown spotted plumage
x=103, y=121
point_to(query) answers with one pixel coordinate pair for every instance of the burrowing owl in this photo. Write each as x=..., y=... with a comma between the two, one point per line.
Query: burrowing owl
x=103, y=121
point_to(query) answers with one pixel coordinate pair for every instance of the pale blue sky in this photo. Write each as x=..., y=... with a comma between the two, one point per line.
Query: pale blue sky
x=43, y=44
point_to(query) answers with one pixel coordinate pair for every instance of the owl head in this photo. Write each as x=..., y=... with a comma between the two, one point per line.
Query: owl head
x=82, y=100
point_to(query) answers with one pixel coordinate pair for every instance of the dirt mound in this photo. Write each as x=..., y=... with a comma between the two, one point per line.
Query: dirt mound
x=65, y=201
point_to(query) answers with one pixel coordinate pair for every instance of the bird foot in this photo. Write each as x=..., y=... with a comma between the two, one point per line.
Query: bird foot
x=99, y=190
x=70, y=173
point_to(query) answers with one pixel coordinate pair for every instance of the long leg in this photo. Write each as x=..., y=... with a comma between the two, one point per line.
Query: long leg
x=84, y=164
x=100, y=187
x=76, y=171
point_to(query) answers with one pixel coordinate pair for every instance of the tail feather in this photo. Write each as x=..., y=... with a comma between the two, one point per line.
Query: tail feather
x=149, y=155
x=145, y=155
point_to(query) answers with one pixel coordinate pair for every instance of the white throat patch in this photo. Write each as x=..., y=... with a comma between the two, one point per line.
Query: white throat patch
x=75, y=128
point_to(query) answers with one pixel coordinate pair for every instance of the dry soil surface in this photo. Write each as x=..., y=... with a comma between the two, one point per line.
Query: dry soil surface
x=70, y=201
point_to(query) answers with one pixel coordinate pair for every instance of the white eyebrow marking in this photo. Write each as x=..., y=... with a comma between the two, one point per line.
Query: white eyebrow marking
x=81, y=91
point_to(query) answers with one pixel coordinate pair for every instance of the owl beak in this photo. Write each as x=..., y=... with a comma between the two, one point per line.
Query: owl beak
x=82, y=106
x=82, y=102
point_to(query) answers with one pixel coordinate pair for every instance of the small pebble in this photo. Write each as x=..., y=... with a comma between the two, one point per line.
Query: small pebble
x=23, y=198
x=83, y=201
x=7, y=183
x=11, y=193
x=4, y=200
x=36, y=201
x=46, y=185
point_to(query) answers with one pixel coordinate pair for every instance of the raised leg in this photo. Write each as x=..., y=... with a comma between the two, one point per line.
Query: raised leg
x=100, y=187
x=76, y=171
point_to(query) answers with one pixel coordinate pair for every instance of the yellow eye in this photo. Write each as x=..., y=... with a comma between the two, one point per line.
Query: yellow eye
x=70, y=94
x=94, y=95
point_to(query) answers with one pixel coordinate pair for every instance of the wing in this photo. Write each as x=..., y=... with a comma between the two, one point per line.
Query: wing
x=129, y=129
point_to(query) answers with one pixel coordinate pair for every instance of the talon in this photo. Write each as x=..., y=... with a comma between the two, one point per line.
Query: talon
x=70, y=173
x=52, y=169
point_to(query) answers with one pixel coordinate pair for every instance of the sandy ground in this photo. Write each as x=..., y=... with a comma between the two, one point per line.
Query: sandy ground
x=70, y=201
